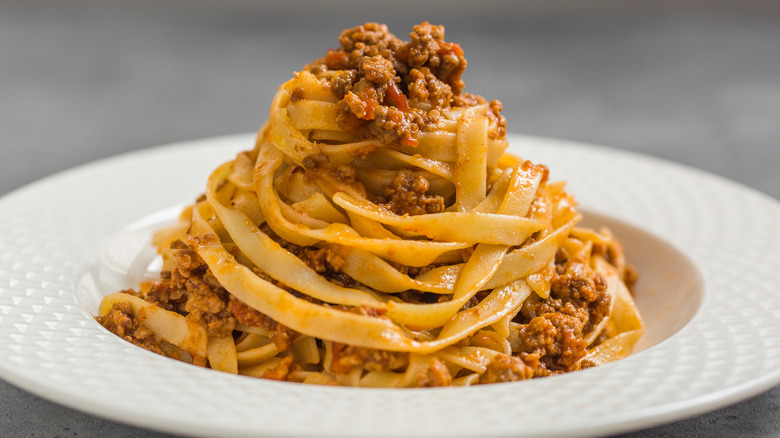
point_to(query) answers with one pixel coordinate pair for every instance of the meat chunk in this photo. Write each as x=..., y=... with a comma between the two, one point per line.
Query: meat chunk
x=347, y=357
x=325, y=260
x=552, y=343
x=436, y=375
x=207, y=306
x=553, y=328
x=424, y=86
x=206, y=298
x=505, y=368
x=341, y=83
x=428, y=49
x=377, y=70
x=281, y=371
x=392, y=90
x=192, y=290
x=370, y=39
x=121, y=321
x=281, y=335
x=575, y=290
x=407, y=194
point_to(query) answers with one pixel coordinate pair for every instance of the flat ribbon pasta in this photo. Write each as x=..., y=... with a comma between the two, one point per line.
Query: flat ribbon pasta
x=378, y=234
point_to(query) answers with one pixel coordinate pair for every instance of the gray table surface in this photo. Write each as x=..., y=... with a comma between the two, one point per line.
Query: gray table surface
x=83, y=80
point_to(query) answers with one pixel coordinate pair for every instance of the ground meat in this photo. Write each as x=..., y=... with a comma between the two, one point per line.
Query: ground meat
x=390, y=89
x=362, y=114
x=121, y=321
x=347, y=357
x=436, y=375
x=505, y=368
x=192, y=290
x=552, y=329
x=297, y=94
x=610, y=253
x=167, y=294
x=377, y=70
x=428, y=49
x=281, y=335
x=208, y=307
x=467, y=100
x=630, y=277
x=424, y=86
x=476, y=299
x=314, y=161
x=495, y=106
x=362, y=104
x=342, y=83
x=495, y=115
x=280, y=371
x=561, y=258
x=392, y=125
x=580, y=284
x=414, y=271
x=325, y=260
x=554, y=342
x=171, y=291
x=370, y=39
x=575, y=290
x=344, y=173
x=244, y=314
x=406, y=195
x=207, y=299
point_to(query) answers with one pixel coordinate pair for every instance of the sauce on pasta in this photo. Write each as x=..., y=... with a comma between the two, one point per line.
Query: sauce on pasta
x=378, y=234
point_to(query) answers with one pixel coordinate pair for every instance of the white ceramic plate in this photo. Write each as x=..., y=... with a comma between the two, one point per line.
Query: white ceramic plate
x=708, y=251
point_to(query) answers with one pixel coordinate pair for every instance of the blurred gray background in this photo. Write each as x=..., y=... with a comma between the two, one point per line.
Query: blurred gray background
x=694, y=82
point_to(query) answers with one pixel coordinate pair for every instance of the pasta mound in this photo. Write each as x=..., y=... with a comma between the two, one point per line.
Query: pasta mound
x=379, y=235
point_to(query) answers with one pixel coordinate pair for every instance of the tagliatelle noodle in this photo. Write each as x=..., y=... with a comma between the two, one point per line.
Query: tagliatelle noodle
x=339, y=251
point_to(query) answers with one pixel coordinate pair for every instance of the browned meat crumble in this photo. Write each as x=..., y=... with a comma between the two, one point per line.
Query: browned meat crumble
x=191, y=289
x=281, y=371
x=553, y=328
x=325, y=260
x=121, y=321
x=391, y=89
x=436, y=375
x=505, y=368
x=407, y=195
x=347, y=357
x=281, y=335
x=551, y=333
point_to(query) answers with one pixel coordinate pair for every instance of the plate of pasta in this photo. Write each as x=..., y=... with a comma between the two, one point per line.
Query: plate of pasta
x=382, y=259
